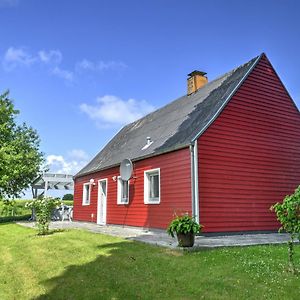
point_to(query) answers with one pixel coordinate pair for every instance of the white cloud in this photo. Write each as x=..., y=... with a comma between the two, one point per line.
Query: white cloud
x=15, y=57
x=18, y=57
x=52, y=60
x=64, y=74
x=88, y=65
x=75, y=160
x=111, y=110
x=51, y=56
x=85, y=65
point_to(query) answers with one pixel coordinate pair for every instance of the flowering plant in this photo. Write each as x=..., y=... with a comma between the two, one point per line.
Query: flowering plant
x=43, y=209
x=288, y=214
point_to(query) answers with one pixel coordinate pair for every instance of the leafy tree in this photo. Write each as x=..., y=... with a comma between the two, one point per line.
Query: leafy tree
x=67, y=197
x=20, y=158
x=288, y=214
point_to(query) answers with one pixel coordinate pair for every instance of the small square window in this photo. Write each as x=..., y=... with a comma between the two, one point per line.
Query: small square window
x=152, y=186
x=86, y=196
x=123, y=191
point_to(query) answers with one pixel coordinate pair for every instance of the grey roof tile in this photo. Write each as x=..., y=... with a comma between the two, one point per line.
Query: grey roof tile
x=171, y=127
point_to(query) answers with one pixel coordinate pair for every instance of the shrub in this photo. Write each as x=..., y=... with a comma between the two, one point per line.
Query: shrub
x=15, y=218
x=43, y=209
x=288, y=214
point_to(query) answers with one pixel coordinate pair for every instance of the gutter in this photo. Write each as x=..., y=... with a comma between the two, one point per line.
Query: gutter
x=195, y=180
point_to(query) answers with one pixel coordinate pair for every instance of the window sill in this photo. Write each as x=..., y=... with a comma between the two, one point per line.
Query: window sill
x=122, y=203
x=151, y=202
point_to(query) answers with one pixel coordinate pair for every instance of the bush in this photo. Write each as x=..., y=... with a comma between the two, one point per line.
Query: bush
x=288, y=214
x=14, y=218
x=43, y=209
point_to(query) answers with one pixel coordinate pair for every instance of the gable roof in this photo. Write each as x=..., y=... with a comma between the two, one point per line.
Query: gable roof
x=173, y=126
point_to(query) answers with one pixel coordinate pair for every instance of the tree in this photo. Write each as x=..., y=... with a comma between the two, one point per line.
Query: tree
x=288, y=214
x=67, y=197
x=20, y=158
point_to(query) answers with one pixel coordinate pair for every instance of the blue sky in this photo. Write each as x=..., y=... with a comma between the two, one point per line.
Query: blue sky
x=79, y=70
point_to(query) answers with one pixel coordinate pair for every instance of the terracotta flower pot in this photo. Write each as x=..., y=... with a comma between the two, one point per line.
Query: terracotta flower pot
x=186, y=239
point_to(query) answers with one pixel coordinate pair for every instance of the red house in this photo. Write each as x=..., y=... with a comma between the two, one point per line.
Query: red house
x=224, y=152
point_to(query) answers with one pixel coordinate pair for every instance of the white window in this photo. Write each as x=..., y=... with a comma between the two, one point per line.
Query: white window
x=86, y=196
x=152, y=186
x=123, y=191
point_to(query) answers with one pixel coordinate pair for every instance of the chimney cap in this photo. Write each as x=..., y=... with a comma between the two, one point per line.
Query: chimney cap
x=196, y=72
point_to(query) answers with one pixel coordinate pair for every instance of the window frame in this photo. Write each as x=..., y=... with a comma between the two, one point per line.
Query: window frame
x=85, y=193
x=120, y=190
x=147, y=199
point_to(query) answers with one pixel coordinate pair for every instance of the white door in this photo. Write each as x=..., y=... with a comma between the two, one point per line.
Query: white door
x=102, y=195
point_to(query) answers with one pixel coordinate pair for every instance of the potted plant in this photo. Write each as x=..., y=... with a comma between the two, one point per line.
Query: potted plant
x=185, y=228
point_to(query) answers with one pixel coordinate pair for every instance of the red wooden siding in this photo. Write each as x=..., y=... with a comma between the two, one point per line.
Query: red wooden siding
x=175, y=174
x=249, y=158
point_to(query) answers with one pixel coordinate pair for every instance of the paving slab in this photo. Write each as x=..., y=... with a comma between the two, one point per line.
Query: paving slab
x=161, y=238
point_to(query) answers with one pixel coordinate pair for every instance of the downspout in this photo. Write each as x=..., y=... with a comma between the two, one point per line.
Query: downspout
x=194, y=180
x=193, y=177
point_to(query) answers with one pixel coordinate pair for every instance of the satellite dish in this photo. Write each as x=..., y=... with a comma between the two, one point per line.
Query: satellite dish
x=126, y=168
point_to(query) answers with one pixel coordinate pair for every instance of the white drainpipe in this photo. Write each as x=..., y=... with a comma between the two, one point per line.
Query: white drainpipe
x=194, y=179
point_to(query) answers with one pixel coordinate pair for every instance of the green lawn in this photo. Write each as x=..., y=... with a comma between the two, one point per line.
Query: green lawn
x=81, y=265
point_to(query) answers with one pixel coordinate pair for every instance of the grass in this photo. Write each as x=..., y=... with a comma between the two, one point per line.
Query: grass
x=68, y=202
x=76, y=264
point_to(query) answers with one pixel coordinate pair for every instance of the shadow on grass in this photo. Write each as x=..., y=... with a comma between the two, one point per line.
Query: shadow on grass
x=121, y=271
x=51, y=231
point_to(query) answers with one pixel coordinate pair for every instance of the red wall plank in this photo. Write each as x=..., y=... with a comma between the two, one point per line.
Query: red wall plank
x=175, y=179
x=249, y=158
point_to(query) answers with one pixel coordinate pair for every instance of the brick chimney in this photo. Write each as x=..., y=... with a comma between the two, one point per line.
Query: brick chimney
x=195, y=81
